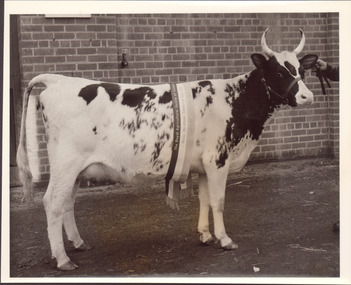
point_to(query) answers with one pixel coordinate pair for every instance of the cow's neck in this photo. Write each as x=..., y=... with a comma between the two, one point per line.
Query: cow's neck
x=251, y=108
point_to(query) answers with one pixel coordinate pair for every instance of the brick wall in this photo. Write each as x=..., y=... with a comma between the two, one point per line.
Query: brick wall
x=185, y=47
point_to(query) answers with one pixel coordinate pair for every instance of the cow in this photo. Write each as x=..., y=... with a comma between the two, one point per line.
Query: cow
x=105, y=130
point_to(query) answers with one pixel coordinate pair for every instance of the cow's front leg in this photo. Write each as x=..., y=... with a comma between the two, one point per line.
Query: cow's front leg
x=217, y=178
x=203, y=225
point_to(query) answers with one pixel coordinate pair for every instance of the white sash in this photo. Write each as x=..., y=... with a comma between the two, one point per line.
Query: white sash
x=183, y=140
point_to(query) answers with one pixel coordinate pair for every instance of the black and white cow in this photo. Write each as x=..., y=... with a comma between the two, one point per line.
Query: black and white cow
x=117, y=131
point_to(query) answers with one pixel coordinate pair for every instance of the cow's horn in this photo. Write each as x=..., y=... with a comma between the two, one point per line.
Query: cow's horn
x=302, y=43
x=265, y=48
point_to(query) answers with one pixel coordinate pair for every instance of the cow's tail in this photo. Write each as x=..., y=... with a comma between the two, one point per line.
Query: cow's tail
x=25, y=174
x=22, y=157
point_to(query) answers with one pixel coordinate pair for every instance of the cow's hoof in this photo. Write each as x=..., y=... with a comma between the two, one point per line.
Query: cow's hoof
x=69, y=265
x=84, y=247
x=206, y=238
x=230, y=246
x=210, y=241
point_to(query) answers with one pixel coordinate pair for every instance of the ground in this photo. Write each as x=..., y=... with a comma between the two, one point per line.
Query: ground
x=281, y=214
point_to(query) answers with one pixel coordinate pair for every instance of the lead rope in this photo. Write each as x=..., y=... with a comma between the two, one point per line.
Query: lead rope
x=320, y=76
x=266, y=87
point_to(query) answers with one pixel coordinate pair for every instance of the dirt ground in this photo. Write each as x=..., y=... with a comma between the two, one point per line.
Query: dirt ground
x=281, y=214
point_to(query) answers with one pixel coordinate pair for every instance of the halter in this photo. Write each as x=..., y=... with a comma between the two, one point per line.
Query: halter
x=283, y=97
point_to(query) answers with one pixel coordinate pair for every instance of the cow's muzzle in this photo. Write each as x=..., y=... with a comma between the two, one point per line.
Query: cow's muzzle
x=304, y=96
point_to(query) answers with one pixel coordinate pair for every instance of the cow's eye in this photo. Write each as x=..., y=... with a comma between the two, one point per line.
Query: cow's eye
x=279, y=75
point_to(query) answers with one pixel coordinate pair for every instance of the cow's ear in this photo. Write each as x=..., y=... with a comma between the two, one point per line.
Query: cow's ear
x=259, y=60
x=309, y=61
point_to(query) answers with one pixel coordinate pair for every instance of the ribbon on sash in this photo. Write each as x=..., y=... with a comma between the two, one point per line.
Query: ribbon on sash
x=178, y=185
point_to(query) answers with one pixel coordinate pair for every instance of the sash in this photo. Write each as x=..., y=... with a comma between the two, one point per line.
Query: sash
x=183, y=140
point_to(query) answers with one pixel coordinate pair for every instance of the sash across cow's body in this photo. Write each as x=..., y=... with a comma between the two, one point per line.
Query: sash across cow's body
x=183, y=140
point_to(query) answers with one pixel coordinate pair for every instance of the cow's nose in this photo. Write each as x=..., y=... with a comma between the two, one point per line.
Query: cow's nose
x=304, y=98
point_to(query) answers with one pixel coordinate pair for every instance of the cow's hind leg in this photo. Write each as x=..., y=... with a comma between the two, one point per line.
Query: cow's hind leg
x=203, y=225
x=69, y=222
x=216, y=182
x=59, y=193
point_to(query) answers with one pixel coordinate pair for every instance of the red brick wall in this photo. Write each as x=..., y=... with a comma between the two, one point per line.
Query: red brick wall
x=185, y=47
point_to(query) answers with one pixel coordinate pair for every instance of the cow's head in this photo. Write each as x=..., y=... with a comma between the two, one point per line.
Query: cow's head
x=283, y=73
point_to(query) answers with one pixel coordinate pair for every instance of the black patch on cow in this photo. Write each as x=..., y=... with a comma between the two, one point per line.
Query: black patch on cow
x=290, y=67
x=222, y=154
x=201, y=85
x=141, y=100
x=195, y=91
x=95, y=130
x=159, y=144
x=165, y=98
x=89, y=92
x=133, y=125
x=157, y=150
x=139, y=146
x=251, y=108
x=135, y=97
x=136, y=148
x=302, y=72
x=206, y=83
x=209, y=101
x=155, y=124
x=112, y=90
